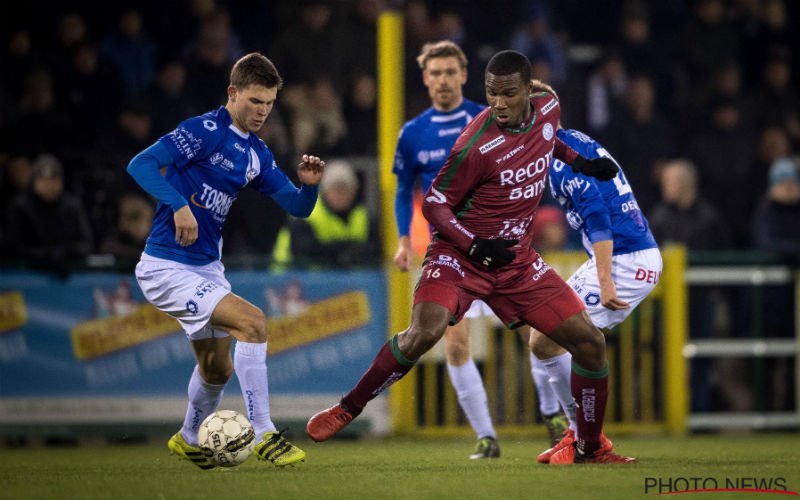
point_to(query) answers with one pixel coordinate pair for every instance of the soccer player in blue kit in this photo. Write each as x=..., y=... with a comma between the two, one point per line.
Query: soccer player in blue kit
x=424, y=144
x=207, y=160
x=623, y=268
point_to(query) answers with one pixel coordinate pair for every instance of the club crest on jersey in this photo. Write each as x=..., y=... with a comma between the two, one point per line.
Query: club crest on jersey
x=547, y=131
x=492, y=144
x=254, y=168
x=549, y=106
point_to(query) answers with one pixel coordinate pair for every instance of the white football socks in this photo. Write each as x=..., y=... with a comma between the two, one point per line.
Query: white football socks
x=250, y=365
x=466, y=380
x=559, y=369
x=548, y=402
x=203, y=400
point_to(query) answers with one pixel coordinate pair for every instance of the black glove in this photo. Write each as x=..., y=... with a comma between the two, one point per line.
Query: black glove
x=602, y=168
x=492, y=254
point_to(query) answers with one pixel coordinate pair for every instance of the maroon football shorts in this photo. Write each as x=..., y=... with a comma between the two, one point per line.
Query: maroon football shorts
x=531, y=293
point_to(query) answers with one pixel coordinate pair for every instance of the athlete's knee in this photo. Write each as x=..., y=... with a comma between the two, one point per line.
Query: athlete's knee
x=542, y=347
x=419, y=339
x=252, y=325
x=590, y=349
x=583, y=340
x=457, y=344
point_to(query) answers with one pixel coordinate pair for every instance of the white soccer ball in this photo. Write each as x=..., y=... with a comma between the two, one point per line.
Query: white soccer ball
x=228, y=436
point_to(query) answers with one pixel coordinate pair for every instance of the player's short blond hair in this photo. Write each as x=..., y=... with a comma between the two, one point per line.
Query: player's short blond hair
x=443, y=48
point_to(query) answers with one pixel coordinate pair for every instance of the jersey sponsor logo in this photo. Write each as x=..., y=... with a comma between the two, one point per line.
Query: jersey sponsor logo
x=549, y=106
x=547, y=131
x=205, y=288
x=514, y=228
x=239, y=147
x=492, y=144
x=185, y=142
x=210, y=125
x=449, y=131
x=541, y=267
x=426, y=156
x=514, y=176
x=569, y=186
x=647, y=275
x=461, y=228
x=436, y=197
x=216, y=201
x=218, y=159
x=443, y=261
x=510, y=154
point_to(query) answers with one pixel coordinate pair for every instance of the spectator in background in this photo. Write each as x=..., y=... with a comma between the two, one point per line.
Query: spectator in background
x=682, y=215
x=40, y=126
x=316, y=117
x=339, y=233
x=363, y=24
x=639, y=52
x=209, y=63
x=773, y=144
x=47, y=227
x=639, y=136
x=126, y=240
x=18, y=59
x=313, y=45
x=85, y=86
x=776, y=100
x=15, y=180
x=550, y=231
x=132, y=52
x=168, y=96
x=775, y=225
x=724, y=153
x=605, y=91
x=71, y=32
x=708, y=39
x=361, y=116
x=534, y=38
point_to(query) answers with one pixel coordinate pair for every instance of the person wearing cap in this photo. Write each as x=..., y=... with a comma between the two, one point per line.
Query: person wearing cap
x=775, y=225
x=47, y=227
x=339, y=232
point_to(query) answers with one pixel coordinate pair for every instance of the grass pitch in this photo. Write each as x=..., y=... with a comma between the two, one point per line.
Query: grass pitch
x=406, y=469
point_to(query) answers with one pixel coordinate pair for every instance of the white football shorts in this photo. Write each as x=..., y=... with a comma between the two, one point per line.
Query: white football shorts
x=635, y=275
x=478, y=309
x=187, y=293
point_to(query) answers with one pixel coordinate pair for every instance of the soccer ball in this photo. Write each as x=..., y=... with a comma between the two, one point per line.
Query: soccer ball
x=228, y=436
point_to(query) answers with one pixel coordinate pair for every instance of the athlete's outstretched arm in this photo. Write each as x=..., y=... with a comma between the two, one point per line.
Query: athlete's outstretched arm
x=602, y=168
x=145, y=168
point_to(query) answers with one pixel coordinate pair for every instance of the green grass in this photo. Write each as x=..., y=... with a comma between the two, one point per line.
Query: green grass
x=405, y=469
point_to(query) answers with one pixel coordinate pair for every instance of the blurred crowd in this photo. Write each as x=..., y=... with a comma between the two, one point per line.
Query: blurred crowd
x=699, y=100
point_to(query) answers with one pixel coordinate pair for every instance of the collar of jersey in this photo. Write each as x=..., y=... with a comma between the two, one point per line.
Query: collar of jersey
x=522, y=129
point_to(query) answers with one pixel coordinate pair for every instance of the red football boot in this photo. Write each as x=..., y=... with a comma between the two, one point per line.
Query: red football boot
x=326, y=423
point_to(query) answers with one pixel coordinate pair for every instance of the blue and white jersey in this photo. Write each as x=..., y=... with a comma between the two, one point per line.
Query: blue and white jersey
x=211, y=162
x=600, y=210
x=422, y=149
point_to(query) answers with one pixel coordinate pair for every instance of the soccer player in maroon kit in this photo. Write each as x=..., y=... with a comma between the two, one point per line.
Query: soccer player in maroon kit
x=482, y=205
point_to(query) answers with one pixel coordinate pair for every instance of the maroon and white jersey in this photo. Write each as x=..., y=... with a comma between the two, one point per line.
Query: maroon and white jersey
x=494, y=178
